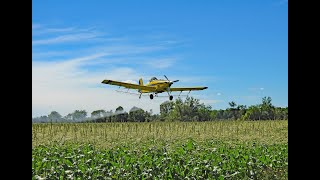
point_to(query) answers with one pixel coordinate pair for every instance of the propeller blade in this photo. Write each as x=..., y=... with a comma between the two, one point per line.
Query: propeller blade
x=166, y=77
x=175, y=81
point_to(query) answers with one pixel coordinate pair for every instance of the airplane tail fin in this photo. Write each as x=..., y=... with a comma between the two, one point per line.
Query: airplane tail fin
x=140, y=82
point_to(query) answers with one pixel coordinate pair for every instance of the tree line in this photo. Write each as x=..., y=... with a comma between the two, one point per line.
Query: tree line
x=188, y=110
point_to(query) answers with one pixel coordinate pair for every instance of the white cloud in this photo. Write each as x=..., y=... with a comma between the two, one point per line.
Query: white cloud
x=66, y=38
x=65, y=87
x=59, y=30
x=49, y=54
x=68, y=84
x=40, y=29
x=125, y=52
x=218, y=94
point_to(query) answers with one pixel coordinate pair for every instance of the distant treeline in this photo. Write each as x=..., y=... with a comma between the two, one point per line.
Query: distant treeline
x=188, y=110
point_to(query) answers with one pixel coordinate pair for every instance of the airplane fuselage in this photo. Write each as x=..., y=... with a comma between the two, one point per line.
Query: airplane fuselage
x=160, y=85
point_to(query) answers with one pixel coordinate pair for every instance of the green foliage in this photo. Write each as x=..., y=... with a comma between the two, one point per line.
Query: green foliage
x=98, y=113
x=119, y=109
x=79, y=115
x=41, y=119
x=188, y=110
x=120, y=116
x=162, y=160
x=232, y=104
x=253, y=113
x=54, y=116
x=137, y=115
x=166, y=108
x=265, y=111
x=161, y=150
x=109, y=134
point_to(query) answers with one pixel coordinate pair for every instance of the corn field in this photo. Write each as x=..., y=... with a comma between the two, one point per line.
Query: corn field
x=161, y=150
x=113, y=133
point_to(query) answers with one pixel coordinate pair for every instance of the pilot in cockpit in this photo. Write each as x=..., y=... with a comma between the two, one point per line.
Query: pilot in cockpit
x=153, y=78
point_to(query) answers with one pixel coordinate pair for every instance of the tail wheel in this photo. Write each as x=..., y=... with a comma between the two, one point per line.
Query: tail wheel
x=171, y=97
x=151, y=96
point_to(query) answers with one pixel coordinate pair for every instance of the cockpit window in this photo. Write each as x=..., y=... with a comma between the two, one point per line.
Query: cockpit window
x=153, y=78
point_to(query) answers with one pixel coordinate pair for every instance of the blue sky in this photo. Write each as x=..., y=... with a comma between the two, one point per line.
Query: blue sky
x=239, y=49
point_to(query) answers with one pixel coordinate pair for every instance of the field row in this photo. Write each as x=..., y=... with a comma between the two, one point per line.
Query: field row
x=110, y=134
x=187, y=160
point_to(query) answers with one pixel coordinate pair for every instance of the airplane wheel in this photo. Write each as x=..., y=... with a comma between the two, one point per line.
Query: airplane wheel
x=171, y=97
x=151, y=96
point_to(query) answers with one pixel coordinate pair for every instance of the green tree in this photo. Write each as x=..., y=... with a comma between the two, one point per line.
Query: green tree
x=119, y=109
x=68, y=117
x=267, y=109
x=189, y=110
x=54, y=116
x=137, y=115
x=165, y=109
x=120, y=115
x=252, y=113
x=241, y=111
x=204, y=113
x=220, y=114
x=232, y=104
x=232, y=110
x=213, y=114
x=79, y=115
x=98, y=113
x=41, y=119
x=281, y=113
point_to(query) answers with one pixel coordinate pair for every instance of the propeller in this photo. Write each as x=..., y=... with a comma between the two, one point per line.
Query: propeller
x=170, y=82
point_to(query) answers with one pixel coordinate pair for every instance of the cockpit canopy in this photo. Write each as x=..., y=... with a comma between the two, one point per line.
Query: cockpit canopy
x=153, y=78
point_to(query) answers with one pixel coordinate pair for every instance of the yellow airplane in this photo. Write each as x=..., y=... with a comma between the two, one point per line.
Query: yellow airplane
x=154, y=86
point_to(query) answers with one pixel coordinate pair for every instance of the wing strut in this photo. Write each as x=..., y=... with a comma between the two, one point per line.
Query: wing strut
x=168, y=91
x=188, y=92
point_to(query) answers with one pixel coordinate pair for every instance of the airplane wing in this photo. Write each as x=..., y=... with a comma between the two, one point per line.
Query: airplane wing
x=128, y=85
x=188, y=89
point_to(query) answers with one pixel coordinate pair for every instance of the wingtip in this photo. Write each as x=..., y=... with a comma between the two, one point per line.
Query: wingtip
x=105, y=81
x=205, y=87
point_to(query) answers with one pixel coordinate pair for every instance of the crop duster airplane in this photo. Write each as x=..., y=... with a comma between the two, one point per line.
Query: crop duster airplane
x=154, y=86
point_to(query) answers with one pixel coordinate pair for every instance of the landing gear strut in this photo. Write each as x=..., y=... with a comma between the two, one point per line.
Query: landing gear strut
x=151, y=96
x=171, y=97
